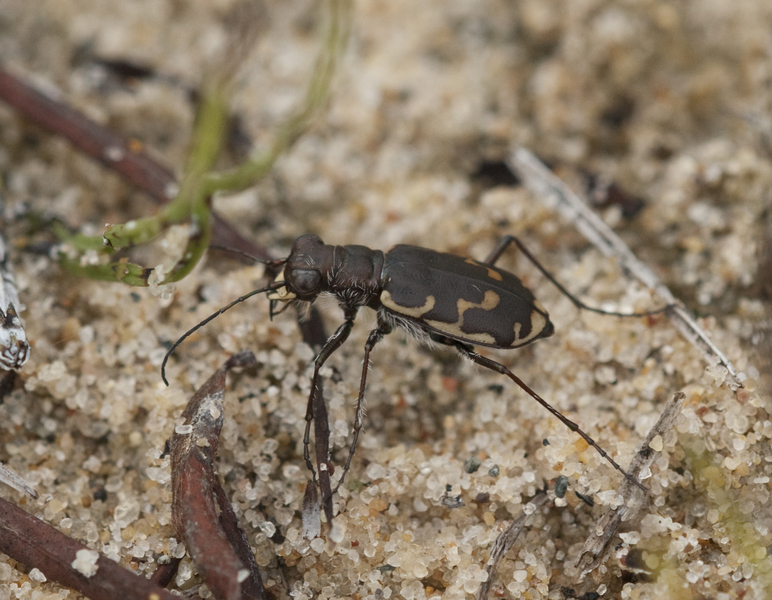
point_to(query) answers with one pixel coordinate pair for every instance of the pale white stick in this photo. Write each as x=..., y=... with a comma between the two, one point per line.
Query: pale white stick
x=14, y=347
x=505, y=541
x=546, y=186
x=14, y=480
x=632, y=497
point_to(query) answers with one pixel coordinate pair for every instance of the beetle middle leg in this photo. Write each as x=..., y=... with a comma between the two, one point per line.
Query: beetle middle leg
x=376, y=335
x=507, y=240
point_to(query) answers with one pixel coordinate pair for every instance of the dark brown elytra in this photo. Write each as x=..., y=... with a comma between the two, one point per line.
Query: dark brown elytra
x=441, y=297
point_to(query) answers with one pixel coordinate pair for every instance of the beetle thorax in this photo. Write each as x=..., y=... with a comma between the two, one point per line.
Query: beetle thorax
x=356, y=276
x=350, y=273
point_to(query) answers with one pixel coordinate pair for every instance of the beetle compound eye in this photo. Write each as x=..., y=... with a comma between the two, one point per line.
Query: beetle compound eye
x=305, y=282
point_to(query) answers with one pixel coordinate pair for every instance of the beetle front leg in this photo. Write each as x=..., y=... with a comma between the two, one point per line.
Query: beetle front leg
x=376, y=335
x=334, y=342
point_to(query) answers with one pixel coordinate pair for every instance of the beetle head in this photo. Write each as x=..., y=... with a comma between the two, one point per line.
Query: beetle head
x=306, y=271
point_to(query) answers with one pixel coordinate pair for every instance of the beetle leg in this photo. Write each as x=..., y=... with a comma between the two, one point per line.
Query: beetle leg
x=448, y=341
x=502, y=245
x=499, y=368
x=376, y=335
x=511, y=239
x=334, y=342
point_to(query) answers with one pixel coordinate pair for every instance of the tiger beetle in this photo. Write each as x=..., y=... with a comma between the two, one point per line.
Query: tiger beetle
x=436, y=297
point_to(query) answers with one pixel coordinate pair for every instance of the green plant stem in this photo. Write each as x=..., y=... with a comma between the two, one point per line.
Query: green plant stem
x=192, y=204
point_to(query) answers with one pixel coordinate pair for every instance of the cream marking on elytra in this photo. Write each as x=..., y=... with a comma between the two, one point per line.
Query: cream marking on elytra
x=490, y=301
x=416, y=313
x=538, y=323
x=492, y=273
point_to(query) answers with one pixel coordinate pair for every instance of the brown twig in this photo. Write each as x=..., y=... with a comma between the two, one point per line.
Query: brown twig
x=214, y=541
x=322, y=450
x=253, y=584
x=33, y=543
x=137, y=167
x=164, y=574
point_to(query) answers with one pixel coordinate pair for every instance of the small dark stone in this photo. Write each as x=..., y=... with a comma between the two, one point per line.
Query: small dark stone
x=472, y=464
x=561, y=486
x=482, y=498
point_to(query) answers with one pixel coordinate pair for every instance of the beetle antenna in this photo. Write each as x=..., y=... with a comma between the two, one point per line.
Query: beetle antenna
x=247, y=255
x=274, y=286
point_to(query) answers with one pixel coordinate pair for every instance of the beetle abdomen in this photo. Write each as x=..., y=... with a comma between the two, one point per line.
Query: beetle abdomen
x=461, y=298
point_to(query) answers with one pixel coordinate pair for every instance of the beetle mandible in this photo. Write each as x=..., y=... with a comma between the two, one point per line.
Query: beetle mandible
x=435, y=296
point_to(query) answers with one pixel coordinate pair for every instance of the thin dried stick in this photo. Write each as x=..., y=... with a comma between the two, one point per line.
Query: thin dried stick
x=312, y=523
x=631, y=497
x=127, y=159
x=14, y=351
x=14, y=480
x=14, y=347
x=546, y=186
x=322, y=450
x=506, y=540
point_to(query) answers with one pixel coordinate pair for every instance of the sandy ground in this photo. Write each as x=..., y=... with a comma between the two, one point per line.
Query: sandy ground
x=669, y=100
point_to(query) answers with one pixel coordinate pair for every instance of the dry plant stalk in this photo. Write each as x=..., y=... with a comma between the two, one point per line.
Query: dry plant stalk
x=547, y=187
x=201, y=511
x=630, y=497
x=35, y=544
x=506, y=540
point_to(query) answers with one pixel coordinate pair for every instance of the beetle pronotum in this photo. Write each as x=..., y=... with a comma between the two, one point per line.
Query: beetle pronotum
x=435, y=296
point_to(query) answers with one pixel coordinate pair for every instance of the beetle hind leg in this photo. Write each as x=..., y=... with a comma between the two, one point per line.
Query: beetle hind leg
x=498, y=250
x=488, y=363
x=507, y=240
